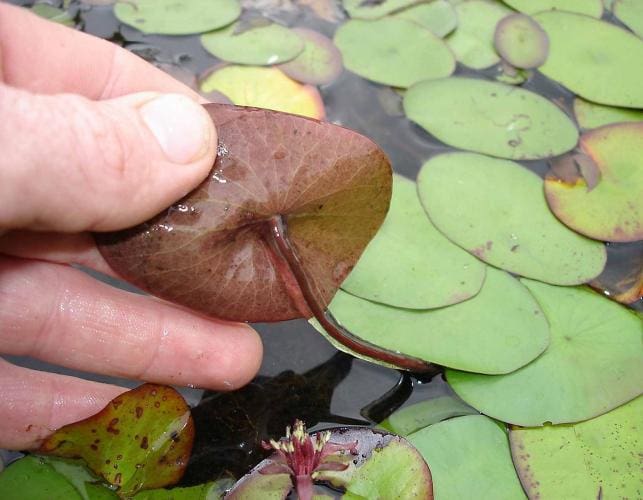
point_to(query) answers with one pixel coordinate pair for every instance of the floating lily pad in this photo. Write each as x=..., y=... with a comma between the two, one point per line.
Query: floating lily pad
x=472, y=41
x=598, y=65
x=438, y=16
x=496, y=210
x=262, y=45
x=320, y=62
x=593, y=8
x=393, y=51
x=612, y=210
x=142, y=439
x=593, y=364
x=213, y=251
x=419, y=415
x=52, y=13
x=471, y=335
x=598, y=458
x=521, y=41
x=630, y=13
x=511, y=75
x=489, y=117
x=469, y=458
x=267, y=88
x=592, y=115
x=177, y=17
x=410, y=263
x=374, y=9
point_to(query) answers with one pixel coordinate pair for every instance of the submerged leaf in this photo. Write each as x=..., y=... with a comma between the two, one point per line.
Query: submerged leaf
x=142, y=439
x=211, y=252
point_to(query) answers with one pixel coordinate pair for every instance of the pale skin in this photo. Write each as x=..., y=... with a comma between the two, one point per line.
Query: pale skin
x=92, y=138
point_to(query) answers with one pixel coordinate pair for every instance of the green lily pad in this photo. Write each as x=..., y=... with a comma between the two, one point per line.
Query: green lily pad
x=472, y=41
x=142, y=439
x=612, y=210
x=496, y=210
x=598, y=65
x=262, y=45
x=592, y=115
x=52, y=13
x=419, y=415
x=489, y=117
x=598, y=458
x=177, y=17
x=471, y=335
x=393, y=51
x=320, y=63
x=593, y=8
x=374, y=9
x=469, y=458
x=521, y=41
x=594, y=363
x=410, y=263
x=438, y=16
x=630, y=13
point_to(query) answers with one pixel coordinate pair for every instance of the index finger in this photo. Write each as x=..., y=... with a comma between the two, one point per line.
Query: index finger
x=62, y=60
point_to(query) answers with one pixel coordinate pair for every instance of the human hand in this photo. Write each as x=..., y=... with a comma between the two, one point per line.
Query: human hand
x=90, y=140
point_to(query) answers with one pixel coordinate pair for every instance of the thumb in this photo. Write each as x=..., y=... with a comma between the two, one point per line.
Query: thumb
x=72, y=164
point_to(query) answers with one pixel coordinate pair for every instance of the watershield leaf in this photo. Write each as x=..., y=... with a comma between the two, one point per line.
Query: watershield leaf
x=210, y=252
x=393, y=51
x=496, y=210
x=613, y=209
x=594, y=363
x=521, y=41
x=410, y=263
x=593, y=8
x=592, y=115
x=630, y=13
x=472, y=41
x=469, y=458
x=598, y=458
x=271, y=44
x=267, y=88
x=177, y=17
x=142, y=439
x=470, y=335
x=491, y=118
x=438, y=16
x=417, y=416
x=374, y=9
x=589, y=66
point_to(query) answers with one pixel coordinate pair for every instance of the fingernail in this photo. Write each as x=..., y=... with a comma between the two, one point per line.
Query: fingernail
x=182, y=127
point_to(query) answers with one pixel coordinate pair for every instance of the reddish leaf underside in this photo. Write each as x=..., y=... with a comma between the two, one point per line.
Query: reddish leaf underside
x=211, y=251
x=142, y=439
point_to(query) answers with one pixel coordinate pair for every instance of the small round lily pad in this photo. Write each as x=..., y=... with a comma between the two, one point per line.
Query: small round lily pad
x=612, y=210
x=593, y=8
x=593, y=364
x=261, y=45
x=438, y=16
x=472, y=40
x=630, y=13
x=521, y=41
x=592, y=115
x=497, y=331
x=598, y=458
x=469, y=458
x=177, y=17
x=320, y=62
x=496, y=210
x=410, y=263
x=491, y=118
x=267, y=88
x=598, y=65
x=393, y=51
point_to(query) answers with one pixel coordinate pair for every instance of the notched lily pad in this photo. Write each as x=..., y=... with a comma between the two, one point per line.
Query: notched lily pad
x=598, y=458
x=177, y=17
x=592, y=115
x=141, y=440
x=605, y=202
x=438, y=16
x=213, y=252
x=491, y=118
x=593, y=8
x=630, y=13
x=521, y=41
